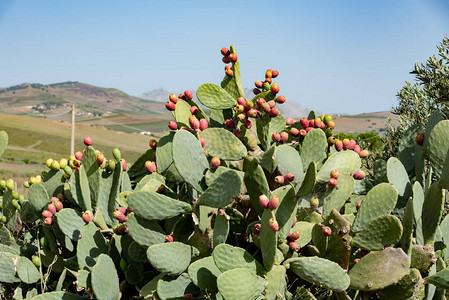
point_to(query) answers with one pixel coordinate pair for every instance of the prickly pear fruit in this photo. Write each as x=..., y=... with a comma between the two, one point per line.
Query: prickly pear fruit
x=332, y=182
x=173, y=98
x=203, y=124
x=338, y=145
x=225, y=51
x=188, y=94
x=214, y=162
x=289, y=177
x=357, y=149
x=116, y=153
x=274, y=203
x=295, y=235
x=169, y=238
x=58, y=205
x=3, y=219
x=284, y=136
x=233, y=57
x=51, y=208
x=119, y=216
x=279, y=179
x=346, y=144
x=87, y=216
x=275, y=88
x=36, y=261
x=420, y=139
x=289, y=121
x=55, y=165
x=153, y=144
x=172, y=125
x=47, y=214
x=88, y=141
x=364, y=153
x=330, y=124
x=274, y=226
x=150, y=166
x=119, y=229
x=314, y=203
x=294, y=246
x=276, y=137
x=124, y=164
x=327, y=231
x=359, y=175
x=334, y=174
x=48, y=162
x=264, y=201
x=194, y=123
x=48, y=221
x=274, y=73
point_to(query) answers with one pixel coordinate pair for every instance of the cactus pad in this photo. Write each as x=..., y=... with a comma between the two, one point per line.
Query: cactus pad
x=8, y=273
x=268, y=240
x=221, y=228
x=90, y=247
x=105, y=281
x=204, y=273
x=228, y=257
x=38, y=197
x=343, y=161
x=171, y=258
x=309, y=181
x=70, y=222
x=144, y=232
x=213, y=96
x=335, y=198
x=397, y=175
x=222, y=190
x=432, y=211
x=249, y=284
x=381, y=231
x=223, y=143
x=314, y=147
x=176, y=287
x=27, y=271
x=437, y=146
x=288, y=160
x=155, y=206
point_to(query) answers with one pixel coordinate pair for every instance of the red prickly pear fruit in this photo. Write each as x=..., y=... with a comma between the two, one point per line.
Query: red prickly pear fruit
x=264, y=201
x=356, y=260
x=188, y=95
x=276, y=137
x=78, y=155
x=182, y=96
x=266, y=107
x=302, y=133
x=193, y=110
x=48, y=221
x=364, y=153
x=260, y=101
x=87, y=141
x=352, y=144
x=169, y=238
x=188, y=295
x=294, y=222
x=330, y=124
x=226, y=60
x=256, y=229
x=203, y=142
x=47, y=214
x=58, y=205
x=327, y=231
x=241, y=101
x=359, y=175
x=173, y=98
x=161, y=189
x=279, y=179
x=119, y=216
x=248, y=124
x=294, y=246
x=87, y=216
x=314, y=203
x=258, y=84
x=357, y=207
x=268, y=80
x=274, y=226
x=239, y=108
x=334, y=174
x=284, y=136
x=295, y=235
x=271, y=103
x=225, y=51
x=124, y=164
x=294, y=131
x=357, y=149
x=289, y=177
x=317, y=123
x=338, y=145
x=268, y=73
x=304, y=123
x=229, y=124
x=274, y=112
x=100, y=159
x=332, y=183
x=214, y=162
x=280, y=99
x=233, y=57
x=249, y=104
x=322, y=126
x=346, y=143
x=51, y=208
x=203, y=124
x=237, y=133
x=228, y=66
x=172, y=125
x=170, y=106
x=229, y=73
x=256, y=91
x=253, y=113
x=311, y=123
x=274, y=73
x=153, y=144
x=150, y=166
x=121, y=209
x=274, y=203
x=274, y=88
x=420, y=139
x=54, y=199
x=289, y=121
x=194, y=123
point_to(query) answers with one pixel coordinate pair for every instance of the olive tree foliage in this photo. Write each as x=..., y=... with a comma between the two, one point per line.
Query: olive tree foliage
x=418, y=100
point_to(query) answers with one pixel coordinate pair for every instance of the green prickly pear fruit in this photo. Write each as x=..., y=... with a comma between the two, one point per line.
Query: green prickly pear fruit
x=314, y=203
x=63, y=163
x=332, y=183
x=327, y=118
x=264, y=201
x=44, y=243
x=10, y=184
x=338, y=145
x=58, y=205
x=359, y=175
x=274, y=73
x=279, y=179
x=364, y=153
x=327, y=231
x=48, y=163
x=51, y=208
x=274, y=203
x=3, y=219
x=21, y=200
x=289, y=177
x=173, y=125
x=15, y=204
x=119, y=216
x=36, y=261
x=169, y=238
x=15, y=195
x=150, y=166
x=48, y=221
x=2, y=184
x=214, y=162
x=88, y=141
x=274, y=226
x=294, y=246
x=346, y=144
x=334, y=174
x=47, y=214
x=55, y=165
x=123, y=265
x=116, y=153
x=173, y=98
x=26, y=184
x=276, y=137
x=87, y=216
x=111, y=165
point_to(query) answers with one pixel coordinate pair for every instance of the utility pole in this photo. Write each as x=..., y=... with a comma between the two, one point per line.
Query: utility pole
x=72, y=141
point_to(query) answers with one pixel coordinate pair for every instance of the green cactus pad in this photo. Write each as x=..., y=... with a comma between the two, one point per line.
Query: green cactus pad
x=221, y=229
x=215, y=97
x=9, y=249
x=27, y=271
x=48, y=258
x=440, y=279
x=211, y=175
x=305, y=229
x=150, y=288
x=155, y=206
x=136, y=252
x=107, y=193
x=437, y=146
x=8, y=273
x=379, y=200
x=59, y=295
x=83, y=279
x=314, y=147
x=406, y=288
x=276, y=282
x=418, y=200
x=407, y=234
x=3, y=141
x=240, y=284
x=204, y=273
x=38, y=197
x=90, y=247
x=423, y=257
x=397, y=175
x=407, y=145
x=319, y=271
x=308, y=184
x=223, y=189
x=431, y=212
x=164, y=156
x=288, y=160
x=105, y=281
x=444, y=178
x=182, y=113
x=189, y=158
x=233, y=85
x=171, y=258
x=335, y=198
x=53, y=182
x=343, y=161
x=176, y=287
x=83, y=197
x=70, y=222
x=255, y=182
x=223, y=143
x=379, y=269
x=144, y=232
x=268, y=240
x=183, y=228
x=286, y=211
x=381, y=231
x=434, y=119
x=228, y=257
x=153, y=180
x=138, y=167
x=265, y=159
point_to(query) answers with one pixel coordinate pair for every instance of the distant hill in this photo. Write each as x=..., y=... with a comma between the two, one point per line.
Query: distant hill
x=57, y=98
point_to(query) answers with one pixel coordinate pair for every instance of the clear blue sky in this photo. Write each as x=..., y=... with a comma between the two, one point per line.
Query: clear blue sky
x=333, y=56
